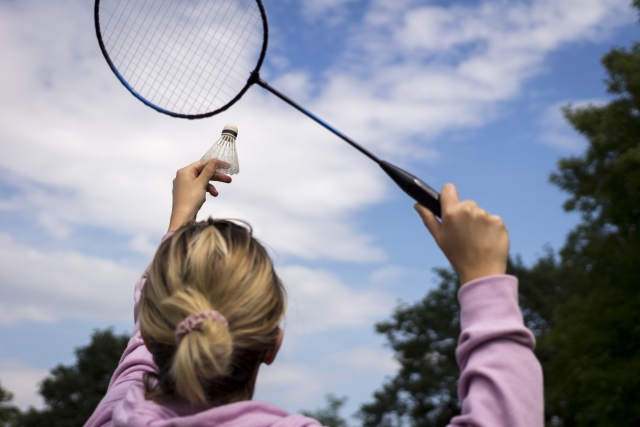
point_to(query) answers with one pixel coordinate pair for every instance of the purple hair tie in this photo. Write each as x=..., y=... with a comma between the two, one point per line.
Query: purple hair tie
x=195, y=320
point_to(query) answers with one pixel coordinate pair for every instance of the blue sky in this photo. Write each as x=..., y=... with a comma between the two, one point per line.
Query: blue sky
x=466, y=92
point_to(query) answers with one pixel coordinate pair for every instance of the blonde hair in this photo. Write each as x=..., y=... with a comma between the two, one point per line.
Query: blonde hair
x=204, y=266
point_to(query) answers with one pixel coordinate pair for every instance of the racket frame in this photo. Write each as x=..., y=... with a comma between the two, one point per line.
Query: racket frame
x=263, y=53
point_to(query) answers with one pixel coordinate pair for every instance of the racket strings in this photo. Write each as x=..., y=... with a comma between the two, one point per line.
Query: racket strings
x=181, y=42
x=185, y=56
x=155, y=26
x=120, y=42
x=173, y=51
x=193, y=78
x=235, y=60
x=130, y=58
x=127, y=35
x=198, y=65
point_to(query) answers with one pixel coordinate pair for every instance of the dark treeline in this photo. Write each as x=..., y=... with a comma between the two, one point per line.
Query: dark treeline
x=583, y=303
x=71, y=393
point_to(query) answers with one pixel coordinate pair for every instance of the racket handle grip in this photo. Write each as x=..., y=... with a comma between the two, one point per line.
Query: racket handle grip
x=418, y=190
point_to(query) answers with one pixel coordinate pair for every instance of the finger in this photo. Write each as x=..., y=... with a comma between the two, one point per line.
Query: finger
x=495, y=218
x=195, y=168
x=221, y=177
x=497, y=221
x=429, y=219
x=469, y=206
x=448, y=197
x=212, y=190
x=209, y=171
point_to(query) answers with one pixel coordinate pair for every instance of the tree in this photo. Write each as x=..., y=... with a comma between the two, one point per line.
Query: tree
x=593, y=375
x=8, y=413
x=424, y=337
x=71, y=393
x=330, y=415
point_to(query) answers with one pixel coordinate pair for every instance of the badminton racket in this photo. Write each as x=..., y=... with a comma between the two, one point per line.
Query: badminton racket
x=196, y=58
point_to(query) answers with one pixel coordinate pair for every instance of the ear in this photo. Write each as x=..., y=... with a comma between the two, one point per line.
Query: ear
x=271, y=354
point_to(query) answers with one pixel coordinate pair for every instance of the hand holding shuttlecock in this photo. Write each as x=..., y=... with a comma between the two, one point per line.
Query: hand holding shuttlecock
x=224, y=150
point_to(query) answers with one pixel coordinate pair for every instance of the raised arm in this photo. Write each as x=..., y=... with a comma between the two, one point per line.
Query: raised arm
x=189, y=190
x=501, y=379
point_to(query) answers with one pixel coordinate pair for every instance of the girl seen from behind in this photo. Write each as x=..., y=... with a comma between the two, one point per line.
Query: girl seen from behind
x=209, y=306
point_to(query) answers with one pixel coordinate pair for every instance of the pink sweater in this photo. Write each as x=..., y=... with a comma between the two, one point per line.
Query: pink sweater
x=500, y=380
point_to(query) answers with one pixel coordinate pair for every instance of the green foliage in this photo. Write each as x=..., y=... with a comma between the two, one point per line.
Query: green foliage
x=604, y=181
x=594, y=374
x=71, y=393
x=330, y=415
x=541, y=287
x=8, y=413
x=424, y=336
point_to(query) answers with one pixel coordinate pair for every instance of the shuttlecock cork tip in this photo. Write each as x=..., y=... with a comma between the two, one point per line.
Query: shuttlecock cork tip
x=230, y=129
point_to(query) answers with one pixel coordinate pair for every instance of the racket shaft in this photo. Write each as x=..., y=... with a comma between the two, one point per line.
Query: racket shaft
x=315, y=118
x=418, y=190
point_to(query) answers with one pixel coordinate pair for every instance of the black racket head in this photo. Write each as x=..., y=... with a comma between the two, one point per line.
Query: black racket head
x=185, y=58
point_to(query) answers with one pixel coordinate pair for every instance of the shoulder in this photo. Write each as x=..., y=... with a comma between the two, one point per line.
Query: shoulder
x=134, y=410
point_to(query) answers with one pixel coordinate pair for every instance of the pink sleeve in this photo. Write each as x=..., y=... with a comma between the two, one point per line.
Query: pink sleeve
x=135, y=361
x=501, y=379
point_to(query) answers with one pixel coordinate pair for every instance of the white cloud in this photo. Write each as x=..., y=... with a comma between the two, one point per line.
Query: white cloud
x=557, y=132
x=318, y=301
x=333, y=12
x=413, y=71
x=302, y=386
x=23, y=381
x=49, y=286
x=364, y=360
x=389, y=274
x=293, y=383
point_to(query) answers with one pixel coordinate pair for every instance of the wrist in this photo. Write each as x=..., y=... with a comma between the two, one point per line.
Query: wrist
x=178, y=218
x=470, y=276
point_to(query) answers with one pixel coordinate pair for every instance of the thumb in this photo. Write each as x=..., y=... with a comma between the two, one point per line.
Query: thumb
x=429, y=219
x=209, y=171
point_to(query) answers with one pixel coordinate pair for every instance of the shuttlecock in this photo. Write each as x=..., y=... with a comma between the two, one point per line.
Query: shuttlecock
x=225, y=150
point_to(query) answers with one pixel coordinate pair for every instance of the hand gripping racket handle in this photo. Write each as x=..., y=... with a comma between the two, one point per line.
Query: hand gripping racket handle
x=418, y=190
